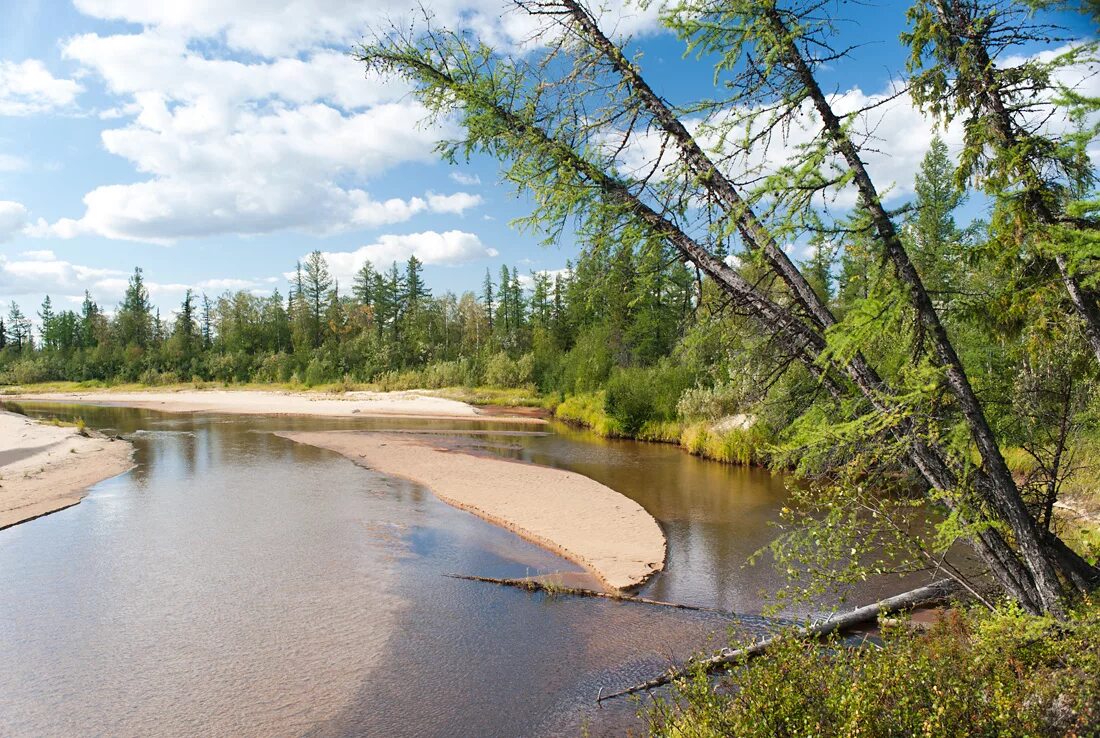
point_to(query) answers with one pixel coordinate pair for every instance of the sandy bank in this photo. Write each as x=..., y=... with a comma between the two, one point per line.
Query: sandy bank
x=267, y=402
x=609, y=534
x=45, y=468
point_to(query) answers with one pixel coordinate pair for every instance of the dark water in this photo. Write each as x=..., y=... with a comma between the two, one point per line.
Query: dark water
x=237, y=584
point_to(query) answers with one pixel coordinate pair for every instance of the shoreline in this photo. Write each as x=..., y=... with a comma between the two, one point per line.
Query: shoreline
x=590, y=524
x=47, y=468
x=406, y=404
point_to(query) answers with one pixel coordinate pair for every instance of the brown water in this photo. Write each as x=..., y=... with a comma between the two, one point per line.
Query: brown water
x=237, y=584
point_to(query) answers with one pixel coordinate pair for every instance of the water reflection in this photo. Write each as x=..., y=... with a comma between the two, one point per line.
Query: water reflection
x=235, y=583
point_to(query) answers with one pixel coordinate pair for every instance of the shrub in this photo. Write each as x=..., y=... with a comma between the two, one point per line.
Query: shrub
x=629, y=401
x=315, y=373
x=709, y=403
x=975, y=673
x=587, y=366
x=503, y=371
x=637, y=397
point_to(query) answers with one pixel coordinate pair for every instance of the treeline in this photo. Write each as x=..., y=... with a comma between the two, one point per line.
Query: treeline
x=564, y=332
x=633, y=341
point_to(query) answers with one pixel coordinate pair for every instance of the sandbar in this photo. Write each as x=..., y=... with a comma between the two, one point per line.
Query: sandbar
x=584, y=521
x=270, y=402
x=45, y=468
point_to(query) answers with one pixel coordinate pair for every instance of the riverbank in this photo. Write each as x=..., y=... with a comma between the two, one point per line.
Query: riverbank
x=586, y=522
x=45, y=468
x=409, y=404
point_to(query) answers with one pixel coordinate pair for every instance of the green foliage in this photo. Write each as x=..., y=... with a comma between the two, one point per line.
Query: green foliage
x=973, y=673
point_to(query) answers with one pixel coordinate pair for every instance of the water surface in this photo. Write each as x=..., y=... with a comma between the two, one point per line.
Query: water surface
x=237, y=584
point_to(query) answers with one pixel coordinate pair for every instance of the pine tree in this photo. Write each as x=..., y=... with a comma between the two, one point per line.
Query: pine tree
x=19, y=328
x=363, y=286
x=934, y=235
x=89, y=314
x=487, y=297
x=48, y=329
x=184, y=333
x=135, y=320
x=315, y=287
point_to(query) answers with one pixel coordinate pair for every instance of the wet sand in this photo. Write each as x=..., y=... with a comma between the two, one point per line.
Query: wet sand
x=268, y=402
x=46, y=468
x=586, y=522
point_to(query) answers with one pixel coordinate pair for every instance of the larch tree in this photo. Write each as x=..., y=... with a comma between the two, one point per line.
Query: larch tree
x=560, y=120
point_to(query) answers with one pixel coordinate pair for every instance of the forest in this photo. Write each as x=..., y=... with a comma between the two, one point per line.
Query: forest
x=908, y=363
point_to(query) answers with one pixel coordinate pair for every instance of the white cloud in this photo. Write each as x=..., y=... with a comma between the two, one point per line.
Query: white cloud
x=250, y=118
x=32, y=275
x=40, y=255
x=247, y=148
x=431, y=247
x=467, y=180
x=38, y=273
x=28, y=88
x=10, y=163
x=231, y=284
x=455, y=204
x=276, y=28
x=895, y=136
x=528, y=280
x=13, y=219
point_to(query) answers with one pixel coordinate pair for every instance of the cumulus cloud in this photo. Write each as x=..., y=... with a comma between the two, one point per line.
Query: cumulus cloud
x=13, y=219
x=895, y=135
x=250, y=117
x=28, y=88
x=274, y=28
x=467, y=180
x=247, y=148
x=431, y=247
x=528, y=280
x=31, y=275
x=38, y=273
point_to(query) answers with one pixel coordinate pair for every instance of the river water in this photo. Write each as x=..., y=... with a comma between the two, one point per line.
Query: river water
x=237, y=584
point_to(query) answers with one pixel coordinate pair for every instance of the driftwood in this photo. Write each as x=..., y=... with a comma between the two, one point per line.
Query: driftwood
x=533, y=585
x=936, y=592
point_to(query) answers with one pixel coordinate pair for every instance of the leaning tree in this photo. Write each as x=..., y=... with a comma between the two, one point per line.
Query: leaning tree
x=768, y=161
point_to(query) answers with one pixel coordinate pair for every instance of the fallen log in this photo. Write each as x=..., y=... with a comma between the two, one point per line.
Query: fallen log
x=533, y=585
x=935, y=592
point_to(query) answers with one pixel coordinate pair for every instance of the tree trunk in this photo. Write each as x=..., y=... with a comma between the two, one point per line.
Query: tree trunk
x=936, y=592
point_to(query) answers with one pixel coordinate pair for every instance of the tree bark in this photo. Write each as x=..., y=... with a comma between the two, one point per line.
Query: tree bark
x=1002, y=492
x=932, y=593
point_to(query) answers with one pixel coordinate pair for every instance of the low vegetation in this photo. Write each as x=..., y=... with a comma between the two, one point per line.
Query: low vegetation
x=972, y=673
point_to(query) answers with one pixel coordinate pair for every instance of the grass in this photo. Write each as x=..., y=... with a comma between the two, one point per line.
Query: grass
x=588, y=410
x=496, y=396
x=737, y=446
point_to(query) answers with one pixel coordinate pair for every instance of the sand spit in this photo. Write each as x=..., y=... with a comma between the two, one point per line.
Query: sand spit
x=268, y=402
x=46, y=468
x=609, y=534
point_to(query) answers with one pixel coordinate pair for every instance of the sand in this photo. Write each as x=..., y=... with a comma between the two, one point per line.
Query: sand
x=267, y=402
x=46, y=468
x=607, y=533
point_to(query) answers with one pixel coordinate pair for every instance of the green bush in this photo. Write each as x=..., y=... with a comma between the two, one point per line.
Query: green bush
x=975, y=673
x=589, y=363
x=629, y=401
x=316, y=373
x=638, y=396
x=503, y=371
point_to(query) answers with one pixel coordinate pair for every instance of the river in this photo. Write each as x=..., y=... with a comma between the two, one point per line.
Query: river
x=237, y=584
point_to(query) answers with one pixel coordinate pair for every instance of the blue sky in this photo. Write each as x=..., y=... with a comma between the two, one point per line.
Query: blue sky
x=214, y=143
